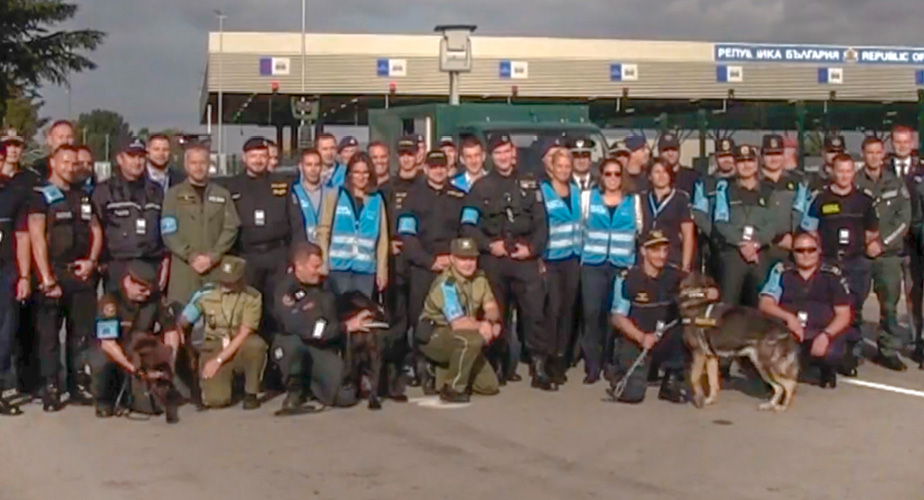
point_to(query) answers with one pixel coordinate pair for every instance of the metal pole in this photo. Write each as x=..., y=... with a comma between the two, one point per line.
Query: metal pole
x=301, y=123
x=702, y=124
x=800, y=131
x=920, y=120
x=453, y=88
x=221, y=104
x=107, y=147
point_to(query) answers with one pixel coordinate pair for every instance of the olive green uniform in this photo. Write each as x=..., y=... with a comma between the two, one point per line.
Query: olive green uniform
x=787, y=202
x=893, y=206
x=190, y=225
x=457, y=353
x=224, y=312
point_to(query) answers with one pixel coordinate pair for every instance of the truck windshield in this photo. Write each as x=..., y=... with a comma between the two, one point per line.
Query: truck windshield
x=529, y=144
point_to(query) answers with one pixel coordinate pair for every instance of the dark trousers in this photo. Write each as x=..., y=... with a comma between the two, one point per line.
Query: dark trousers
x=322, y=368
x=857, y=272
x=395, y=299
x=419, y=287
x=562, y=279
x=667, y=353
x=264, y=271
x=347, y=281
x=836, y=350
x=913, y=271
x=740, y=281
x=596, y=297
x=76, y=306
x=519, y=282
x=9, y=323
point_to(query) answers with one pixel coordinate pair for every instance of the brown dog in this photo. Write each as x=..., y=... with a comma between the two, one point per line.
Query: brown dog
x=713, y=330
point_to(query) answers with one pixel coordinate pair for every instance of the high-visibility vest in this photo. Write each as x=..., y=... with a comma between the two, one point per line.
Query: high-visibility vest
x=310, y=213
x=612, y=238
x=353, y=240
x=564, y=223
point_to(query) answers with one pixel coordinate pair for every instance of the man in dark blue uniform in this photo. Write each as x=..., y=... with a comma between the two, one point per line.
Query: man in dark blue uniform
x=504, y=214
x=847, y=225
x=814, y=301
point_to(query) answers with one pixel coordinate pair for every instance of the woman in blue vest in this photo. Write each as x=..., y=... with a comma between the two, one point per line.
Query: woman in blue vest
x=562, y=261
x=670, y=210
x=613, y=222
x=353, y=232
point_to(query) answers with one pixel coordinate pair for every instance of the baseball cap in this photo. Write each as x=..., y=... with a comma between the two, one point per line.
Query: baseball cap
x=463, y=247
x=447, y=141
x=231, y=270
x=437, y=158
x=725, y=147
x=655, y=237
x=547, y=144
x=135, y=147
x=772, y=144
x=143, y=273
x=668, y=140
x=407, y=144
x=635, y=142
x=347, y=142
x=256, y=142
x=498, y=140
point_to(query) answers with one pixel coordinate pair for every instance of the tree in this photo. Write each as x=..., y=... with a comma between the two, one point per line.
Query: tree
x=22, y=113
x=33, y=52
x=102, y=129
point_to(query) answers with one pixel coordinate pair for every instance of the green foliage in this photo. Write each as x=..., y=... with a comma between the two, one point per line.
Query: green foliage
x=100, y=129
x=22, y=114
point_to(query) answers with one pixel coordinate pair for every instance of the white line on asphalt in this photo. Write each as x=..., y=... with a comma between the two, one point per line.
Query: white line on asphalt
x=882, y=387
x=434, y=402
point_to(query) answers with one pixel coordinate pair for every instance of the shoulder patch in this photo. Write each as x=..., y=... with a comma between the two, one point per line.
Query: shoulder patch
x=168, y=225
x=51, y=193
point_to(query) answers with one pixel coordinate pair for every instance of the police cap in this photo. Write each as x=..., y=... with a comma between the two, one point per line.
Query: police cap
x=725, y=147
x=464, y=247
x=11, y=136
x=581, y=145
x=635, y=142
x=407, y=144
x=745, y=152
x=447, y=141
x=835, y=143
x=654, y=238
x=143, y=273
x=256, y=143
x=772, y=144
x=231, y=270
x=668, y=140
x=347, y=142
x=498, y=140
x=437, y=158
x=135, y=147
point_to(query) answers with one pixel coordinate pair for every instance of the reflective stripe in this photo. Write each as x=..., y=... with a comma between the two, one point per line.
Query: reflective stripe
x=623, y=237
x=564, y=223
x=611, y=238
x=353, y=242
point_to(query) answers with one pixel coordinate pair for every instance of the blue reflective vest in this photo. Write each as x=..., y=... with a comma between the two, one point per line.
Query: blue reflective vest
x=310, y=213
x=462, y=183
x=337, y=177
x=564, y=223
x=612, y=238
x=353, y=241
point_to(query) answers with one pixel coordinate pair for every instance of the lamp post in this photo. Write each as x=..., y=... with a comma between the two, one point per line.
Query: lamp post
x=455, y=54
x=221, y=104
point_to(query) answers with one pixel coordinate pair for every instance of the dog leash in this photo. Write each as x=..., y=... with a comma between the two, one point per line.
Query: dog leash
x=616, y=392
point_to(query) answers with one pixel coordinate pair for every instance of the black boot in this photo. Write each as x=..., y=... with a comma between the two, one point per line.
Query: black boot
x=8, y=406
x=251, y=402
x=541, y=379
x=670, y=387
x=848, y=366
x=918, y=355
x=891, y=362
x=557, y=370
x=78, y=393
x=447, y=395
x=104, y=409
x=827, y=377
x=51, y=398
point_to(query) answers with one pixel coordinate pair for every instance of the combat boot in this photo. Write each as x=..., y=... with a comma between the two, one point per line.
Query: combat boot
x=78, y=393
x=671, y=388
x=251, y=402
x=426, y=377
x=558, y=365
x=8, y=406
x=104, y=409
x=51, y=398
x=827, y=377
x=447, y=395
x=891, y=362
x=541, y=379
x=848, y=366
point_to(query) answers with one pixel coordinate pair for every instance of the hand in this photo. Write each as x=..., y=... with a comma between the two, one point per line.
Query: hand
x=712, y=294
x=498, y=248
x=786, y=242
x=874, y=249
x=23, y=289
x=381, y=282
x=795, y=326
x=162, y=279
x=396, y=246
x=359, y=322
x=820, y=345
x=83, y=268
x=443, y=261
x=53, y=290
x=748, y=251
x=521, y=253
x=648, y=341
x=487, y=331
x=201, y=263
x=211, y=368
x=173, y=339
x=496, y=329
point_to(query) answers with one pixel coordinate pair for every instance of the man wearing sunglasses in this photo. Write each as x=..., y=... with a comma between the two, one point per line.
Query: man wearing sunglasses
x=814, y=301
x=845, y=221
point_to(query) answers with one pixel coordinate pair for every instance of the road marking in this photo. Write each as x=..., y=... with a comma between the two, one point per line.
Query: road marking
x=435, y=402
x=882, y=387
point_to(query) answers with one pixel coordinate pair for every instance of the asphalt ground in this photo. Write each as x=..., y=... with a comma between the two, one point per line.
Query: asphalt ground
x=846, y=443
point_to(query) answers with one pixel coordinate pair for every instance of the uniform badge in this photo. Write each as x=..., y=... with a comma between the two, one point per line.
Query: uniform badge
x=141, y=226
x=831, y=208
x=278, y=353
x=300, y=294
x=642, y=297
x=287, y=300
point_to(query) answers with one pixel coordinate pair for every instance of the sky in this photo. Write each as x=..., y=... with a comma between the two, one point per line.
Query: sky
x=152, y=63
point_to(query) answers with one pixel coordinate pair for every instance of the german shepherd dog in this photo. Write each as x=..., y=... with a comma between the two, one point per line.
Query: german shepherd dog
x=155, y=371
x=364, y=352
x=713, y=330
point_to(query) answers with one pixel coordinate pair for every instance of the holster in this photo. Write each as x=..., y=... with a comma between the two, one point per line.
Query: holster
x=424, y=331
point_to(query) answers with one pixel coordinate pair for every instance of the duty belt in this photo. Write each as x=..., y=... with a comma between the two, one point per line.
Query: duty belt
x=263, y=247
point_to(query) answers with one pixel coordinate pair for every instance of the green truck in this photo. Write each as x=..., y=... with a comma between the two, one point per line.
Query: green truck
x=527, y=124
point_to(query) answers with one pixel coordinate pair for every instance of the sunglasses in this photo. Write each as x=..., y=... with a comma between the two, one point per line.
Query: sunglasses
x=805, y=250
x=612, y=174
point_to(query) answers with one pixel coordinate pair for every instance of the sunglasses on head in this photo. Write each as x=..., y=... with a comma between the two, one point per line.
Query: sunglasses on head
x=805, y=250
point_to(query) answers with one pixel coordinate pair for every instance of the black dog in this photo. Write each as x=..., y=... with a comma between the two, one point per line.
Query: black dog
x=364, y=352
x=155, y=372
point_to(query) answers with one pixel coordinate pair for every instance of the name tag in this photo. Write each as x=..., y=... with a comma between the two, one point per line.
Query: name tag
x=831, y=208
x=748, y=233
x=259, y=217
x=63, y=216
x=141, y=226
x=803, y=318
x=85, y=211
x=843, y=236
x=319, y=328
x=217, y=199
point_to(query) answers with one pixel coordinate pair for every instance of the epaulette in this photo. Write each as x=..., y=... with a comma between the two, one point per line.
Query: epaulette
x=253, y=292
x=51, y=193
x=529, y=183
x=832, y=269
x=455, y=192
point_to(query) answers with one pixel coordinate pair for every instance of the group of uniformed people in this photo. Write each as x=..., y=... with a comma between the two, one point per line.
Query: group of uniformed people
x=478, y=270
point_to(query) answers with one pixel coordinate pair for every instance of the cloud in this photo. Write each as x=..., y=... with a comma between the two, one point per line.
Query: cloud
x=151, y=64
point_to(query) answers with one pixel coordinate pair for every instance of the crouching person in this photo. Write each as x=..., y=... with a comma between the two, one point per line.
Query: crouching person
x=137, y=337
x=813, y=299
x=459, y=318
x=307, y=349
x=231, y=312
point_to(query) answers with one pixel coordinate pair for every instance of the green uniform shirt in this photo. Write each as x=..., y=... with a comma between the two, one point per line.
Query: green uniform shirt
x=893, y=207
x=225, y=312
x=788, y=195
x=745, y=216
x=452, y=297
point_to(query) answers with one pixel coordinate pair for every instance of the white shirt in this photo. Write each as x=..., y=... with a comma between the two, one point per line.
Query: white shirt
x=902, y=166
x=585, y=183
x=159, y=176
